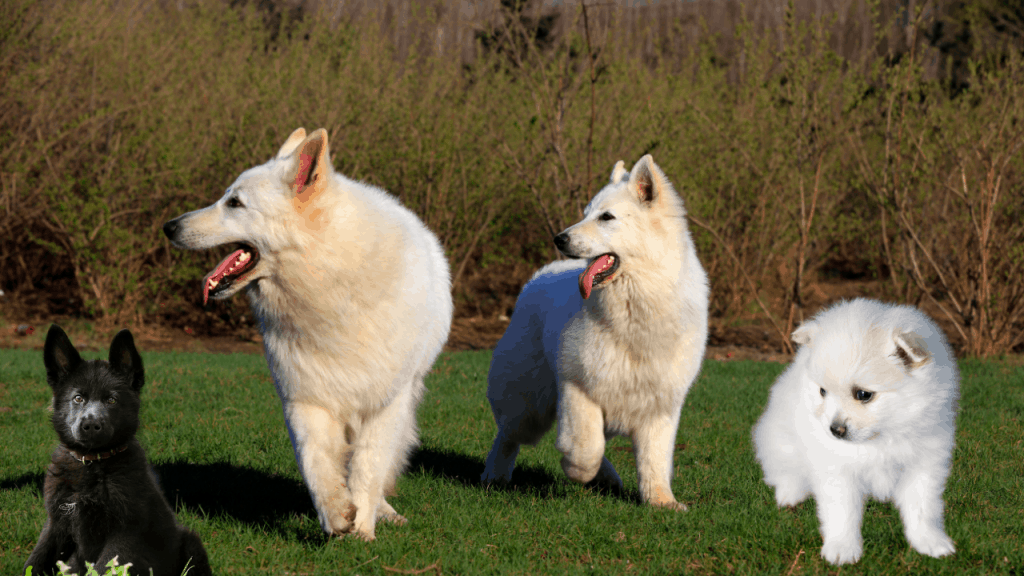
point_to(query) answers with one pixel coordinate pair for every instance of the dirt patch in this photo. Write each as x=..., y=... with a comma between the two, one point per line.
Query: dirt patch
x=477, y=333
x=748, y=336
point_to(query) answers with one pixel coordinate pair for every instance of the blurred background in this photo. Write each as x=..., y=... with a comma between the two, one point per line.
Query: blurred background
x=825, y=149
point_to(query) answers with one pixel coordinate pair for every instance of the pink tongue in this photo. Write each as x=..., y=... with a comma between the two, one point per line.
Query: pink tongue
x=587, y=277
x=219, y=272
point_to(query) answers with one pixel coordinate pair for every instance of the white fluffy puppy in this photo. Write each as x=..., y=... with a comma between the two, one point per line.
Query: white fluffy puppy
x=867, y=408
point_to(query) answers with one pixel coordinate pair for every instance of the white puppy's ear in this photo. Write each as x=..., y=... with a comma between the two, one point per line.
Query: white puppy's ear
x=911, y=349
x=311, y=169
x=805, y=332
x=647, y=180
x=619, y=172
x=291, y=143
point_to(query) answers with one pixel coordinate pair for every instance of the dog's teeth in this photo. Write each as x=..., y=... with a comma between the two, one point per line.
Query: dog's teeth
x=213, y=283
x=243, y=258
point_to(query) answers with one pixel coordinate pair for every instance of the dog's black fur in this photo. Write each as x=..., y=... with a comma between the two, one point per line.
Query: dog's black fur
x=98, y=509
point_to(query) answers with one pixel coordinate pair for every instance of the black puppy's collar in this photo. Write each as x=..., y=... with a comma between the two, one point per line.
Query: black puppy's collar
x=91, y=457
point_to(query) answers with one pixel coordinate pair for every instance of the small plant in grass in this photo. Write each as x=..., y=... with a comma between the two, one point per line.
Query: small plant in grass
x=114, y=568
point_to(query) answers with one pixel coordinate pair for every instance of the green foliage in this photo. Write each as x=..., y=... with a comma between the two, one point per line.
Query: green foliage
x=793, y=160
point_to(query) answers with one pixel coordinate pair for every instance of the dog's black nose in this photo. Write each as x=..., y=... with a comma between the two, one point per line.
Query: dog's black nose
x=562, y=241
x=91, y=425
x=171, y=228
x=838, y=430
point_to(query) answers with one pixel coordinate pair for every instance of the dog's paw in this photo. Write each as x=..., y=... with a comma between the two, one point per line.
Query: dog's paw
x=364, y=535
x=662, y=497
x=394, y=518
x=490, y=477
x=789, y=494
x=338, y=522
x=935, y=544
x=364, y=529
x=841, y=551
x=387, y=514
x=673, y=505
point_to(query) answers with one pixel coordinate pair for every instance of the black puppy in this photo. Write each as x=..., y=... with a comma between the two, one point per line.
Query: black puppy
x=101, y=497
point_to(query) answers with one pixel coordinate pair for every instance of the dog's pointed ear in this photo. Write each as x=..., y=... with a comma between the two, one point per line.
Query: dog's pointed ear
x=291, y=143
x=805, y=332
x=647, y=180
x=311, y=170
x=59, y=355
x=619, y=172
x=125, y=359
x=911, y=349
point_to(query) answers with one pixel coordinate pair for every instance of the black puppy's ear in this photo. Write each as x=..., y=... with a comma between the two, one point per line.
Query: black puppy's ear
x=59, y=355
x=124, y=358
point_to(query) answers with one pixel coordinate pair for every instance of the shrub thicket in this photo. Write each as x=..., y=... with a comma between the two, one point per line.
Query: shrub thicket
x=798, y=156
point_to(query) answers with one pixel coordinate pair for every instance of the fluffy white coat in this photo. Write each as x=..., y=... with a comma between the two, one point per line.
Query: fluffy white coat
x=867, y=408
x=352, y=295
x=618, y=362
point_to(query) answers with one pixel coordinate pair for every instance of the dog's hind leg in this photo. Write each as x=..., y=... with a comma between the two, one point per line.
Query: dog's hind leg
x=581, y=439
x=380, y=452
x=523, y=396
x=406, y=443
x=653, y=445
x=194, y=555
x=321, y=449
x=501, y=460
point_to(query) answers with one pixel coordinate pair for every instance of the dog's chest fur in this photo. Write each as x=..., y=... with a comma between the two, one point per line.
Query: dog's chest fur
x=90, y=502
x=634, y=359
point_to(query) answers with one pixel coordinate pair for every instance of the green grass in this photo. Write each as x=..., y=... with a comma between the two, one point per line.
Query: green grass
x=213, y=428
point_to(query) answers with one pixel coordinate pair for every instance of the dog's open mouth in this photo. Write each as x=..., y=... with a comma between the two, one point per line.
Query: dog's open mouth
x=597, y=272
x=229, y=270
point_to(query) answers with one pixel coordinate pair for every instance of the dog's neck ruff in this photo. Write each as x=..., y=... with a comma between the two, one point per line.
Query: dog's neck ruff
x=91, y=457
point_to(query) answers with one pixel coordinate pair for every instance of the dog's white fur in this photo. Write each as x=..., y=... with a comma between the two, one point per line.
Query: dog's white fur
x=352, y=295
x=620, y=362
x=898, y=444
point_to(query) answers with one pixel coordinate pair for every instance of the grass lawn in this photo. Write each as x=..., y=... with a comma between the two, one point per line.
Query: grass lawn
x=213, y=429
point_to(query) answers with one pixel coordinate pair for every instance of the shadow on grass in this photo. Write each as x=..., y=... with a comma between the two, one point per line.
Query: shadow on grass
x=532, y=480
x=466, y=470
x=34, y=480
x=247, y=495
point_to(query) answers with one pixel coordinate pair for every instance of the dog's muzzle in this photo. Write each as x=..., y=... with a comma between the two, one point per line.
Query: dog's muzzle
x=171, y=228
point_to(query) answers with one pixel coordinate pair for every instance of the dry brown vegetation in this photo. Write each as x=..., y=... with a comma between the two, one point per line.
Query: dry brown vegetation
x=827, y=149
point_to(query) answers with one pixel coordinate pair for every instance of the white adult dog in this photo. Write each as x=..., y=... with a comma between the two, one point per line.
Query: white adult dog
x=352, y=295
x=610, y=343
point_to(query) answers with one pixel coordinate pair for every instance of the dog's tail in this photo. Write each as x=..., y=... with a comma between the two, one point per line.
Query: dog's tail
x=192, y=556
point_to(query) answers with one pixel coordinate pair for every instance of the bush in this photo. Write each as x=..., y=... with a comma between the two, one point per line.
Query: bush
x=797, y=150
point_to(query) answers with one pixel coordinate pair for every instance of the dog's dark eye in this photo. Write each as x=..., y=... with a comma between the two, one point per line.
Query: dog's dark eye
x=234, y=202
x=111, y=400
x=863, y=395
x=822, y=392
x=78, y=399
x=606, y=216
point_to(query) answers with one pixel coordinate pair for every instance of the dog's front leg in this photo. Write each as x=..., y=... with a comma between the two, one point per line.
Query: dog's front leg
x=322, y=452
x=840, y=511
x=581, y=439
x=44, y=556
x=380, y=451
x=919, y=499
x=653, y=446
